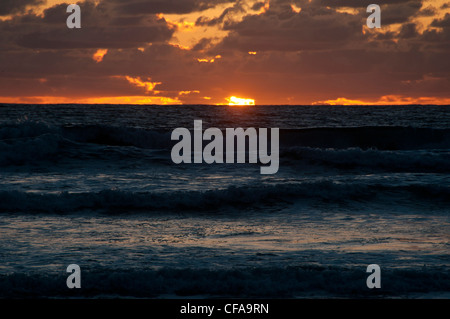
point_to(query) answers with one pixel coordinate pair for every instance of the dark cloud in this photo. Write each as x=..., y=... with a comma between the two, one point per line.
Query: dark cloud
x=280, y=28
x=357, y=3
x=14, y=6
x=393, y=11
x=318, y=25
x=204, y=21
x=438, y=39
x=401, y=12
x=427, y=12
x=96, y=38
x=408, y=30
x=201, y=45
x=136, y=7
x=101, y=28
x=443, y=23
x=257, y=6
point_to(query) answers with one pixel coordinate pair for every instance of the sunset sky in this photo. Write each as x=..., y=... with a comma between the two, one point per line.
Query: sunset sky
x=205, y=52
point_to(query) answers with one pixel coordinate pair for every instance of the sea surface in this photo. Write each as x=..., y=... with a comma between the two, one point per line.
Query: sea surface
x=94, y=185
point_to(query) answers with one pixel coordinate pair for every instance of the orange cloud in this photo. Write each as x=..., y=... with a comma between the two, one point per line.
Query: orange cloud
x=264, y=8
x=98, y=56
x=387, y=100
x=188, y=92
x=209, y=60
x=340, y=101
x=295, y=8
x=149, y=86
x=399, y=99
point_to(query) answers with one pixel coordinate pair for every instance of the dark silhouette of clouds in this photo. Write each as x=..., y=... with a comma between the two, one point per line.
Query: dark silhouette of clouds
x=14, y=6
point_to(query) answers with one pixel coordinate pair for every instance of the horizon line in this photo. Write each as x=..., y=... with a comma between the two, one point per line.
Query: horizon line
x=248, y=106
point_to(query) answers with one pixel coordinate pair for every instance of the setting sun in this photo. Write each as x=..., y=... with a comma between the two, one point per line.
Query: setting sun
x=240, y=101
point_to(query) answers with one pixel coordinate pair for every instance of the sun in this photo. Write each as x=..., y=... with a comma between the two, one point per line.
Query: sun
x=233, y=101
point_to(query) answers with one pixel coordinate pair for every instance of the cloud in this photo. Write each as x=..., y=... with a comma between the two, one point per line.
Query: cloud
x=355, y=3
x=100, y=29
x=438, y=39
x=443, y=23
x=13, y=6
x=228, y=12
x=400, y=12
x=138, y=7
x=408, y=30
x=280, y=28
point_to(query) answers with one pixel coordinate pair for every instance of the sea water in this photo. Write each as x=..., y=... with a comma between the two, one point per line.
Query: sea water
x=94, y=185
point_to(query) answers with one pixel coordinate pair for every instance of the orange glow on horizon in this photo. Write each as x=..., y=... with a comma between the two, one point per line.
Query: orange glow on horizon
x=232, y=101
x=236, y=101
x=340, y=101
x=131, y=100
x=388, y=100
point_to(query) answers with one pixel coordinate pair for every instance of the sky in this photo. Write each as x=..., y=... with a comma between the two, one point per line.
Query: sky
x=205, y=52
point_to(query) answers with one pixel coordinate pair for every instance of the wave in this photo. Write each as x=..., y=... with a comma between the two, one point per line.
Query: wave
x=28, y=142
x=382, y=138
x=29, y=150
x=211, y=200
x=116, y=136
x=278, y=282
x=379, y=137
x=351, y=158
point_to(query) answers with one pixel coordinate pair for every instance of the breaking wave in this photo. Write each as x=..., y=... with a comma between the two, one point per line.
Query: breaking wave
x=350, y=158
x=379, y=147
x=198, y=201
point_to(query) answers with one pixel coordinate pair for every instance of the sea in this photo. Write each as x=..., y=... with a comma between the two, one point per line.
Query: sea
x=95, y=186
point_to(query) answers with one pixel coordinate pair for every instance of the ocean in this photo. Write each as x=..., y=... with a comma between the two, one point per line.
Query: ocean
x=95, y=186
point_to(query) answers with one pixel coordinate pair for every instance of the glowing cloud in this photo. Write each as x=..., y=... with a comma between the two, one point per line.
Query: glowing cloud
x=388, y=100
x=209, y=60
x=149, y=86
x=295, y=8
x=233, y=101
x=264, y=8
x=188, y=92
x=340, y=101
x=98, y=56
